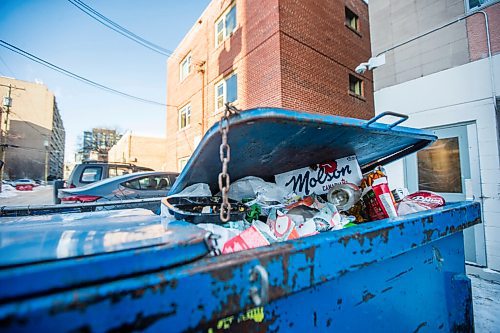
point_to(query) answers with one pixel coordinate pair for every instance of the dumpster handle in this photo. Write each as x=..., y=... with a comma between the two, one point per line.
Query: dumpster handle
x=388, y=113
x=262, y=297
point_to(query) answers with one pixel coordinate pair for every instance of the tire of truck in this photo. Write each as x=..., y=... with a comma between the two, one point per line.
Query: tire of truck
x=58, y=184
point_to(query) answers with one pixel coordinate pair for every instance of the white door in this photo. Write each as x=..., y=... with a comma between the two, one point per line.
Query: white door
x=450, y=167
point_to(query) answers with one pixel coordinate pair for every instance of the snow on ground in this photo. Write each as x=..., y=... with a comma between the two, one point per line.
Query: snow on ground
x=8, y=191
x=486, y=299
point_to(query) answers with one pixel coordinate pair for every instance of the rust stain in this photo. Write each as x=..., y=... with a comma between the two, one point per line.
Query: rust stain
x=329, y=322
x=386, y=289
x=310, y=253
x=366, y=297
x=285, y=263
x=141, y=322
x=428, y=234
x=339, y=301
x=222, y=275
x=365, y=264
x=423, y=324
x=399, y=275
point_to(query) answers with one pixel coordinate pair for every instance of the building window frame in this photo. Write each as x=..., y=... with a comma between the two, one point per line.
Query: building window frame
x=221, y=31
x=482, y=4
x=356, y=86
x=185, y=67
x=182, y=162
x=352, y=20
x=221, y=92
x=184, y=116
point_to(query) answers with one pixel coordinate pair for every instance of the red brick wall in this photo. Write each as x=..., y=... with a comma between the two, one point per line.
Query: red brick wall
x=286, y=53
x=476, y=32
x=318, y=54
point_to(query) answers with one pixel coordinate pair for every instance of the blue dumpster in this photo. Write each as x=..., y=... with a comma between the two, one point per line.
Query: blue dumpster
x=123, y=271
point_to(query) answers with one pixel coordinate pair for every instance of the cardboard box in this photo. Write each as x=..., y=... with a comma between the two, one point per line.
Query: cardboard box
x=248, y=239
x=320, y=179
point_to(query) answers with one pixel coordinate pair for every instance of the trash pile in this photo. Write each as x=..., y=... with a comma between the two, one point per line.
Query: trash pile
x=304, y=202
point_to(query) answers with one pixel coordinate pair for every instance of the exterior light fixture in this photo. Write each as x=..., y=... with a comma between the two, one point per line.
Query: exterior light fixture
x=372, y=63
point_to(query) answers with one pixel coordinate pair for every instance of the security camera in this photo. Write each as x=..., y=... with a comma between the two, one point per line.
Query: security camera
x=361, y=68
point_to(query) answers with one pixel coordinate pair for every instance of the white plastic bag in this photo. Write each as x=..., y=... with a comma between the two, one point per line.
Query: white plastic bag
x=195, y=190
x=252, y=187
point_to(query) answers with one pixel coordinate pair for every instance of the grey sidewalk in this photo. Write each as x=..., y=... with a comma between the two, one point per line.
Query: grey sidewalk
x=486, y=298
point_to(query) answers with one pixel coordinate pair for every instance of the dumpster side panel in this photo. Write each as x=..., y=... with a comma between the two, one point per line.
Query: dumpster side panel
x=419, y=258
x=414, y=292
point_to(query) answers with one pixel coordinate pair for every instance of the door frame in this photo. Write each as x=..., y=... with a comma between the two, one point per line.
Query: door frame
x=471, y=186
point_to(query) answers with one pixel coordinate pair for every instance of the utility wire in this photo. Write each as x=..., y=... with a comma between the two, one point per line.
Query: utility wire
x=121, y=30
x=75, y=76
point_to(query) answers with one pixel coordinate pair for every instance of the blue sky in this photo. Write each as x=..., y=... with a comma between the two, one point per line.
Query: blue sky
x=58, y=32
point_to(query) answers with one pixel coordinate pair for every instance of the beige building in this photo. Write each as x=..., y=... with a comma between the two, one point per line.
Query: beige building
x=35, y=135
x=139, y=150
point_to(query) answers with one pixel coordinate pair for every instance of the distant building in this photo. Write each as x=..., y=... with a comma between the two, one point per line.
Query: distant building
x=278, y=53
x=448, y=82
x=139, y=150
x=97, y=143
x=35, y=132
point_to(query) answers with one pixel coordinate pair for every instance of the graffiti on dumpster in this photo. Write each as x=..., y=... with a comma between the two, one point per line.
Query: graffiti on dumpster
x=255, y=314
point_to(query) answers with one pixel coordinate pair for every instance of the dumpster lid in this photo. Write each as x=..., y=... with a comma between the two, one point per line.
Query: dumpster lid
x=34, y=239
x=40, y=253
x=268, y=141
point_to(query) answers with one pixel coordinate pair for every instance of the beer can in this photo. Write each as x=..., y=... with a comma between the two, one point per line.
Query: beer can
x=344, y=196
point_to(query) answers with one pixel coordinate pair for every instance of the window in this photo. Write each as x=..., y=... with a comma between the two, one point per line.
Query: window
x=474, y=4
x=439, y=167
x=149, y=183
x=185, y=69
x=182, y=163
x=91, y=174
x=351, y=19
x=118, y=171
x=185, y=116
x=225, y=25
x=226, y=91
x=355, y=86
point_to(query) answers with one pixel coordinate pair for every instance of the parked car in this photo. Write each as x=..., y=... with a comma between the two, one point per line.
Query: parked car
x=23, y=182
x=138, y=185
x=92, y=171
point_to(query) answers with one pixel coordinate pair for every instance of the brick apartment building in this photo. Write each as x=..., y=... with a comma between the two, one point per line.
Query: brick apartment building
x=268, y=53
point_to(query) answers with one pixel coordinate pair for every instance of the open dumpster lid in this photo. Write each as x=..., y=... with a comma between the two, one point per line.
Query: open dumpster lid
x=268, y=141
x=40, y=253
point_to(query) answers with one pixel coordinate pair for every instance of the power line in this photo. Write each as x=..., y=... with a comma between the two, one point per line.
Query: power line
x=121, y=30
x=75, y=76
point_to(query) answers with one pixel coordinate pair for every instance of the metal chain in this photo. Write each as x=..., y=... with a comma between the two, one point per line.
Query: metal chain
x=225, y=157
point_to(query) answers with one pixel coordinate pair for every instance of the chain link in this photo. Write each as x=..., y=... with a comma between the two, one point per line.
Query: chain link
x=225, y=157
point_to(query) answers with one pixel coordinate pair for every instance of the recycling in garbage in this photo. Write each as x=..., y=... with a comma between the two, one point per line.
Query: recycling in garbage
x=314, y=199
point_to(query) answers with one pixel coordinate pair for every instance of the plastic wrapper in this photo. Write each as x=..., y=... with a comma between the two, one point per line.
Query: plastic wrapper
x=420, y=201
x=253, y=187
x=195, y=190
x=282, y=226
x=224, y=234
x=377, y=198
x=250, y=238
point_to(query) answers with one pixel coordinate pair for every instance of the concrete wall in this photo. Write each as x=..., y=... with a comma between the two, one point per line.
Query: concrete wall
x=456, y=96
x=34, y=119
x=139, y=150
x=396, y=21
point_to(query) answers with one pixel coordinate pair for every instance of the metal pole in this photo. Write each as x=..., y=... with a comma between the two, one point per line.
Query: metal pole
x=46, y=164
x=6, y=132
x=4, y=136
